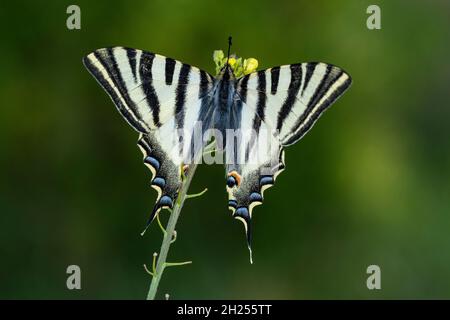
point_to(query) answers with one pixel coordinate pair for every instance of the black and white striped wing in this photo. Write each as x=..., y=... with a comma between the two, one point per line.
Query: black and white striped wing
x=158, y=97
x=295, y=96
x=286, y=101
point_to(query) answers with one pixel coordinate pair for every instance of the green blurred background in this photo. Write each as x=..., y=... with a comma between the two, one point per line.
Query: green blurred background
x=370, y=184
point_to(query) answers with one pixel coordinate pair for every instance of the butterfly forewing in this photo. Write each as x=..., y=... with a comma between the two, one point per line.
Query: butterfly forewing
x=148, y=89
x=296, y=95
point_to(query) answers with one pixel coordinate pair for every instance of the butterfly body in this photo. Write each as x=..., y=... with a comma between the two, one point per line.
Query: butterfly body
x=223, y=97
x=166, y=101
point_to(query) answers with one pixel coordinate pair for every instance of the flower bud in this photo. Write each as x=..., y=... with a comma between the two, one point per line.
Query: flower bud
x=218, y=56
x=250, y=65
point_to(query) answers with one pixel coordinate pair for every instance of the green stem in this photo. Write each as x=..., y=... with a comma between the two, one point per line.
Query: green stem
x=195, y=195
x=170, y=228
x=176, y=264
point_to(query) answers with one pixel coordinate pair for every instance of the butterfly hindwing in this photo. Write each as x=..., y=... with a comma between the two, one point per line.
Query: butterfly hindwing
x=166, y=172
x=248, y=179
x=162, y=99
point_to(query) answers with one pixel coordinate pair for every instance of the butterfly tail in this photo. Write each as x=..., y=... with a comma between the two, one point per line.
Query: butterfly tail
x=243, y=215
x=165, y=202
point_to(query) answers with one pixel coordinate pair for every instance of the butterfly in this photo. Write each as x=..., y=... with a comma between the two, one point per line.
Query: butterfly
x=159, y=97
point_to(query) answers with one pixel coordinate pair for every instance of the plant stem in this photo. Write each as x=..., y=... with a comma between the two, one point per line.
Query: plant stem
x=167, y=240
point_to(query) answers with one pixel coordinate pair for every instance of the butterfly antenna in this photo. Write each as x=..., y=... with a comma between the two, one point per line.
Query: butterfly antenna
x=229, y=48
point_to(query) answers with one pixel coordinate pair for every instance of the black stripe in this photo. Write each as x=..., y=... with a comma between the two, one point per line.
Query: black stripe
x=101, y=79
x=205, y=114
x=145, y=145
x=260, y=112
x=261, y=105
x=323, y=87
x=107, y=60
x=204, y=84
x=313, y=99
x=115, y=70
x=294, y=87
x=180, y=101
x=332, y=98
x=145, y=71
x=243, y=89
x=281, y=164
x=309, y=72
x=203, y=96
x=131, y=54
x=170, y=67
x=236, y=117
x=318, y=93
x=275, y=76
x=180, y=98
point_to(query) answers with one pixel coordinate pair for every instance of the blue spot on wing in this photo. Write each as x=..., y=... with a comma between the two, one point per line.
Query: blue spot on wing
x=266, y=180
x=255, y=196
x=231, y=182
x=153, y=162
x=159, y=181
x=165, y=201
x=232, y=203
x=243, y=213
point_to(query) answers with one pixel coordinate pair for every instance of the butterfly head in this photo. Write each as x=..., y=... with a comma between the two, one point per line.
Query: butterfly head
x=226, y=73
x=231, y=66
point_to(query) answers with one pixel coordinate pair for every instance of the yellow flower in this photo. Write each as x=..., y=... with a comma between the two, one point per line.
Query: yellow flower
x=240, y=68
x=218, y=56
x=250, y=65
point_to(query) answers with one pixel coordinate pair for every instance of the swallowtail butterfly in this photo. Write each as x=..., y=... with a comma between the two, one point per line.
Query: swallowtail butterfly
x=159, y=96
